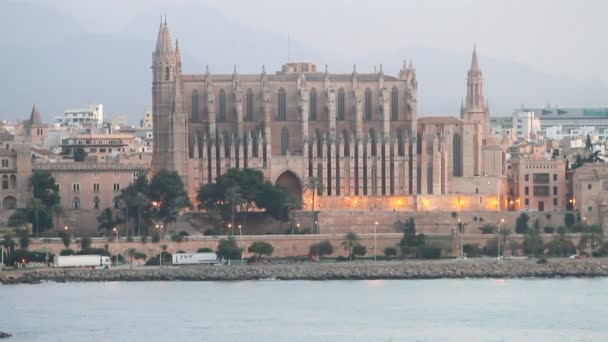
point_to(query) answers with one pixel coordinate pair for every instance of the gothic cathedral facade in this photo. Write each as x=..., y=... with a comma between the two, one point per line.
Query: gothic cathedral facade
x=357, y=133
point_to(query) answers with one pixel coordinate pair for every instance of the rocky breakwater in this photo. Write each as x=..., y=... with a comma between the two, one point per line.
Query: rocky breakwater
x=5, y=335
x=328, y=271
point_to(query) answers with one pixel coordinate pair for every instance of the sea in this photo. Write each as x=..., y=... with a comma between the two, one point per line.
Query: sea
x=568, y=309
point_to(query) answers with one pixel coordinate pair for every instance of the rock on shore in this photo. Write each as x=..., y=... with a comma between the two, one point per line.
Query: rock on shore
x=327, y=271
x=5, y=335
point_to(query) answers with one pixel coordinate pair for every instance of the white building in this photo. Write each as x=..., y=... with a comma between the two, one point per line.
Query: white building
x=146, y=122
x=525, y=125
x=91, y=116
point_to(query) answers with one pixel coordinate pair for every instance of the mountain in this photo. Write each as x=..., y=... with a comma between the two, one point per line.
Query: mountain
x=53, y=62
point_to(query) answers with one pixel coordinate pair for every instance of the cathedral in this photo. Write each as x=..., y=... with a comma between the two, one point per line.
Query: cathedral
x=358, y=133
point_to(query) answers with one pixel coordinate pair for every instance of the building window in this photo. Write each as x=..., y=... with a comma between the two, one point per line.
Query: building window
x=527, y=177
x=284, y=141
x=345, y=143
x=167, y=73
x=96, y=203
x=341, y=104
x=588, y=186
x=96, y=187
x=555, y=191
x=555, y=177
x=116, y=187
x=394, y=104
x=368, y=104
x=400, y=145
x=589, y=208
x=221, y=115
x=76, y=187
x=526, y=191
x=372, y=141
x=116, y=204
x=13, y=181
x=195, y=105
x=5, y=182
x=555, y=201
x=4, y=162
x=282, y=105
x=456, y=153
x=249, y=105
x=76, y=203
x=313, y=104
x=227, y=144
x=527, y=202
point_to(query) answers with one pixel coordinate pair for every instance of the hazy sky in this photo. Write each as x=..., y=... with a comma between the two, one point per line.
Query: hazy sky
x=560, y=37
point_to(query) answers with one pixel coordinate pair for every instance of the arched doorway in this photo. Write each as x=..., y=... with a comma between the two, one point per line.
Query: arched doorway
x=9, y=203
x=292, y=183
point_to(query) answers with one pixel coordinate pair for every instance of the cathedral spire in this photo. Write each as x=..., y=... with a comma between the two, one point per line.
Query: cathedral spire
x=163, y=42
x=35, y=117
x=474, y=63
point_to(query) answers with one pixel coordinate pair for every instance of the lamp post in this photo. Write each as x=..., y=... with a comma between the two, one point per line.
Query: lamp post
x=375, y=241
x=461, y=231
x=1, y=257
x=241, y=241
x=117, y=240
x=317, y=226
x=501, y=222
x=228, y=230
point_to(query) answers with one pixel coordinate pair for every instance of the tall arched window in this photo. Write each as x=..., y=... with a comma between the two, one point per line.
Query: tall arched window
x=13, y=182
x=221, y=114
x=346, y=143
x=5, y=182
x=96, y=203
x=313, y=104
x=282, y=105
x=227, y=143
x=368, y=104
x=76, y=203
x=341, y=105
x=195, y=106
x=167, y=73
x=372, y=141
x=319, y=143
x=394, y=104
x=249, y=105
x=254, y=143
x=284, y=141
x=400, y=147
x=456, y=152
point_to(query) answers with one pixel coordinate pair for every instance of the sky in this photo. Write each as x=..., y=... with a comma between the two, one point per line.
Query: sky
x=559, y=37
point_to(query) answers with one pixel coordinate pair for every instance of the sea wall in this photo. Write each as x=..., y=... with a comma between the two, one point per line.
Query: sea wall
x=326, y=271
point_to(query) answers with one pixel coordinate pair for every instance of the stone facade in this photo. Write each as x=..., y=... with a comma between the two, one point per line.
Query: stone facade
x=358, y=133
x=538, y=184
x=590, y=192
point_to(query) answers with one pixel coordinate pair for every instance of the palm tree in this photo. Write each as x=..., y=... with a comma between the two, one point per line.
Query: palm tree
x=36, y=205
x=160, y=257
x=233, y=195
x=314, y=184
x=107, y=221
x=131, y=252
x=350, y=240
x=57, y=211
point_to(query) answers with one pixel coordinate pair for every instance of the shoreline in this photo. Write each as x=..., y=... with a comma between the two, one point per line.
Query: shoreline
x=367, y=270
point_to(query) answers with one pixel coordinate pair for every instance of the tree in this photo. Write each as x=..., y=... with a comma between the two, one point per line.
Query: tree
x=228, y=249
x=79, y=154
x=569, y=220
x=45, y=188
x=350, y=240
x=45, y=195
x=261, y=248
x=561, y=245
x=132, y=252
x=390, y=252
x=8, y=242
x=108, y=221
x=167, y=189
x=85, y=243
x=321, y=249
x=204, y=250
x=315, y=185
x=533, y=243
x=65, y=238
x=24, y=238
x=137, y=205
x=359, y=250
x=591, y=237
x=410, y=241
x=521, y=224
x=588, y=143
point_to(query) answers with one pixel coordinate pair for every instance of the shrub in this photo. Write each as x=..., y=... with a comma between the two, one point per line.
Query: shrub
x=569, y=219
x=261, y=248
x=204, y=250
x=390, y=252
x=549, y=230
x=322, y=248
x=341, y=258
x=211, y=232
x=472, y=250
x=67, y=252
x=93, y=251
x=359, y=250
x=228, y=249
x=488, y=229
x=180, y=252
x=155, y=238
x=85, y=243
x=130, y=238
x=521, y=224
x=24, y=238
x=560, y=247
x=143, y=239
x=23, y=255
x=427, y=252
x=167, y=259
x=533, y=244
x=454, y=214
x=491, y=247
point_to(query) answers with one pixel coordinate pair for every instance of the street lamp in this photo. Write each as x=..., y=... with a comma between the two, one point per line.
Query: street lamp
x=501, y=222
x=116, y=231
x=461, y=231
x=317, y=226
x=375, y=241
x=229, y=228
x=241, y=242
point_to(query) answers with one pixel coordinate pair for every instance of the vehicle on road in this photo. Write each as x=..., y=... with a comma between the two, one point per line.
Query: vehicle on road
x=94, y=261
x=195, y=258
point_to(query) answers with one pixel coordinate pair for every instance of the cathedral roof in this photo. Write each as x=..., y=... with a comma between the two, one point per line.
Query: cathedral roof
x=439, y=120
x=35, y=117
x=163, y=41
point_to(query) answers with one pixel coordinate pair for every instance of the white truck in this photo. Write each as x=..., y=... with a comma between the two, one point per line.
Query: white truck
x=96, y=261
x=195, y=258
